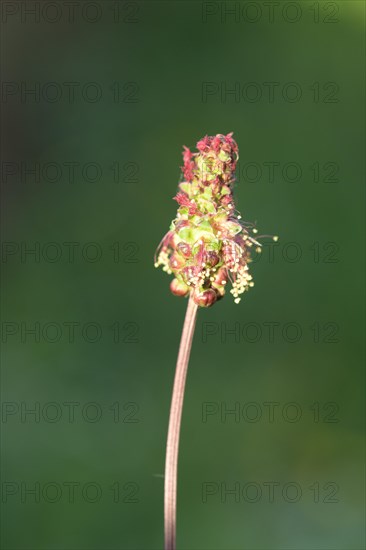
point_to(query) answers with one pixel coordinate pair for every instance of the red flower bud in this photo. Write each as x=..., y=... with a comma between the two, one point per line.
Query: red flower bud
x=189, y=164
x=206, y=298
x=178, y=288
x=227, y=199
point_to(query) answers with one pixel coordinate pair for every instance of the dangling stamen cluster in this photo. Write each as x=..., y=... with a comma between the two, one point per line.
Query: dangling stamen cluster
x=207, y=244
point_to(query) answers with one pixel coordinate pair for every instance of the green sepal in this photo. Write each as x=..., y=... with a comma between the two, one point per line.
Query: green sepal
x=185, y=187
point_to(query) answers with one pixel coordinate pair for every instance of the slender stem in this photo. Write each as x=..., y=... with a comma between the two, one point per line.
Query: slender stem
x=171, y=460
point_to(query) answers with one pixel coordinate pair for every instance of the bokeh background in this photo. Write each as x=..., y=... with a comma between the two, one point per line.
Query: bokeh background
x=96, y=472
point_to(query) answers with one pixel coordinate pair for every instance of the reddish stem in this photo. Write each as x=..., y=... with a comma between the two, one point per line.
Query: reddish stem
x=171, y=460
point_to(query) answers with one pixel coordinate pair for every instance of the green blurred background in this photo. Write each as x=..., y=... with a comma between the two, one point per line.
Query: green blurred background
x=151, y=60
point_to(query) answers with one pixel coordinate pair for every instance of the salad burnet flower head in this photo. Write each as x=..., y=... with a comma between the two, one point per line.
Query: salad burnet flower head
x=208, y=246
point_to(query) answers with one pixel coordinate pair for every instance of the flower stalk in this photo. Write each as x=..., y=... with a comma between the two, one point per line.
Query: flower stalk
x=171, y=461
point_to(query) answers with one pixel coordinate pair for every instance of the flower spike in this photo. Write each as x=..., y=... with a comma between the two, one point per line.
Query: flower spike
x=208, y=245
